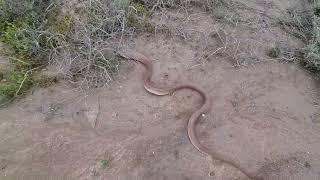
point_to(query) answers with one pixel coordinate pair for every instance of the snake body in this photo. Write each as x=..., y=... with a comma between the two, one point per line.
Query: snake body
x=206, y=106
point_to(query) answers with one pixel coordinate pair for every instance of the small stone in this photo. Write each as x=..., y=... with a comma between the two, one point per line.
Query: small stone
x=115, y=115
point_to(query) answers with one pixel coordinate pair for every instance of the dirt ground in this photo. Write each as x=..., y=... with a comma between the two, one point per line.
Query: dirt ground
x=265, y=114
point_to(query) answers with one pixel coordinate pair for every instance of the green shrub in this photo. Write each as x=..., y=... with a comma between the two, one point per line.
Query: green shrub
x=17, y=39
x=15, y=84
x=8, y=90
x=20, y=22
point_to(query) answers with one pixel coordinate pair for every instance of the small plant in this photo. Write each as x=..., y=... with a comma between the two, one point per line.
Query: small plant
x=8, y=90
x=14, y=83
x=274, y=52
x=104, y=164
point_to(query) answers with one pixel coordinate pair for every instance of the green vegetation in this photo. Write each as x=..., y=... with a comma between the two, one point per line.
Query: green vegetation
x=18, y=24
x=39, y=32
x=15, y=84
x=274, y=52
x=104, y=164
x=313, y=48
x=306, y=26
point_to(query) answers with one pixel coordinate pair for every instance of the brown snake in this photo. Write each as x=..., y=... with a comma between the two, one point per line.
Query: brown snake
x=206, y=106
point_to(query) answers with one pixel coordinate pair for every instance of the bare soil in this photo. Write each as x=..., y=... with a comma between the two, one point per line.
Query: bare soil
x=265, y=114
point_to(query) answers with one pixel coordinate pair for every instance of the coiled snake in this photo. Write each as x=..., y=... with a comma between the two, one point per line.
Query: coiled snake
x=206, y=106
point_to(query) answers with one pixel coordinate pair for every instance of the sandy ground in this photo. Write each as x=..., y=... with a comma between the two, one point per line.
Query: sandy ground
x=265, y=114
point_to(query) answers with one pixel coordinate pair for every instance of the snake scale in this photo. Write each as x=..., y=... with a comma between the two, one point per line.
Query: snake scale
x=206, y=106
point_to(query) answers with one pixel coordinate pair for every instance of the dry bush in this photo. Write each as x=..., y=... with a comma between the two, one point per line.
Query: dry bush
x=77, y=37
x=80, y=52
x=84, y=51
x=304, y=24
